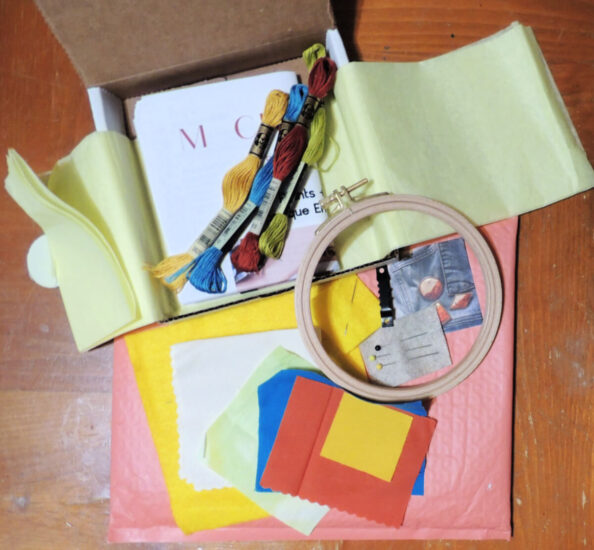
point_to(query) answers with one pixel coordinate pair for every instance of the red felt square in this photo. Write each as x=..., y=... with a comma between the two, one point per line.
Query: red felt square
x=296, y=467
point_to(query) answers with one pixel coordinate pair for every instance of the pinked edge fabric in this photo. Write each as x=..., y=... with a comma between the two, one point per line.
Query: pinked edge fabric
x=232, y=447
x=273, y=396
x=295, y=465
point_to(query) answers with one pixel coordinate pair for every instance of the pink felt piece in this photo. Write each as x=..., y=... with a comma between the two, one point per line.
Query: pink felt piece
x=468, y=475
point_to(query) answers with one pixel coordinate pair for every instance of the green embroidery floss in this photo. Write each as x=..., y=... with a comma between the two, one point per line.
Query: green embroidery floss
x=272, y=240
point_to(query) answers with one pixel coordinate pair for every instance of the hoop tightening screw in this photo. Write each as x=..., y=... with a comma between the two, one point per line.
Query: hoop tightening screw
x=341, y=195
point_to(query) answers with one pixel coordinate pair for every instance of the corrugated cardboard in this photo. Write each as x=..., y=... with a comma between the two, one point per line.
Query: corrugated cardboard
x=131, y=47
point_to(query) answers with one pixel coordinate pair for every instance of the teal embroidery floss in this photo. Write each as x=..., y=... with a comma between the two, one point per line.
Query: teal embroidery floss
x=206, y=275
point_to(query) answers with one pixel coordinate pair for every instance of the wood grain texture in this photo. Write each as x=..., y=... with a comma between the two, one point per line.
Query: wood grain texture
x=55, y=402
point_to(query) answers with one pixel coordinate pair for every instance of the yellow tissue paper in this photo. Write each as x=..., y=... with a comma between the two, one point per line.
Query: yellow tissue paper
x=80, y=252
x=98, y=245
x=482, y=129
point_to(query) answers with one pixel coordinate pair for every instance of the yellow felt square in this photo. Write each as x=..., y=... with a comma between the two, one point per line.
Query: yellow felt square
x=346, y=311
x=367, y=437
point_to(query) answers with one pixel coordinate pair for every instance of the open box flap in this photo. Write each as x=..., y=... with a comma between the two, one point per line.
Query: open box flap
x=148, y=45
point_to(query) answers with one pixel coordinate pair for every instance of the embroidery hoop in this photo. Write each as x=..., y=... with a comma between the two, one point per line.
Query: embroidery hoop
x=353, y=210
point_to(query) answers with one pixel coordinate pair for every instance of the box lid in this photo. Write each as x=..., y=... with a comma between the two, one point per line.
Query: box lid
x=134, y=46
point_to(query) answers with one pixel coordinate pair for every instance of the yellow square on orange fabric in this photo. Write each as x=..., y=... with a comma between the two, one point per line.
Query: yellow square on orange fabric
x=367, y=437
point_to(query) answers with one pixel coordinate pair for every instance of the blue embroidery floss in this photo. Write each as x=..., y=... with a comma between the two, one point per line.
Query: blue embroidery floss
x=206, y=275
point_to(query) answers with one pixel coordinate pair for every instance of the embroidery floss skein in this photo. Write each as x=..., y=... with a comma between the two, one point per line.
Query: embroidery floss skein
x=206, y=275
x=312, y=54
x=272, y=240
x=247, y=257
x=236, y=184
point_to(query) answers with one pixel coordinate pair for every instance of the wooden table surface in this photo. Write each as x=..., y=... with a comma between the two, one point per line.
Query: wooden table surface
x=55, y=403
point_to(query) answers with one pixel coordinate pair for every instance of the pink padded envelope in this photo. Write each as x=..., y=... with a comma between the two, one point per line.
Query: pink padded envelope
x=468, y=473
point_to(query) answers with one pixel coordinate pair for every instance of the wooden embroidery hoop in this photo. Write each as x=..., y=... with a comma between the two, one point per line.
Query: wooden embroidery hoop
x=352, y=211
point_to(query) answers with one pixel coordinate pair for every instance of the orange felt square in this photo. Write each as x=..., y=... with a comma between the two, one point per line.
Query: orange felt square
x=296, y=465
